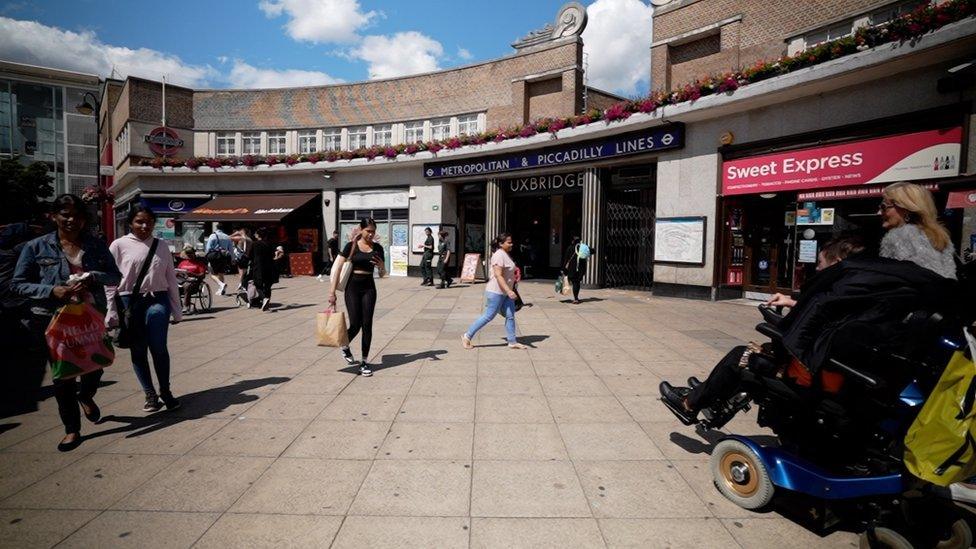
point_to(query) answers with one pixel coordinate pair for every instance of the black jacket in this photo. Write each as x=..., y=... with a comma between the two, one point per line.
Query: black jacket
x=866, y=296
x=573, y=266
x=263, y=270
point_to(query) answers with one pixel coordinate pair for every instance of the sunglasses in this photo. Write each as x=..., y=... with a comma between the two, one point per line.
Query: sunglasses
x=885, y=206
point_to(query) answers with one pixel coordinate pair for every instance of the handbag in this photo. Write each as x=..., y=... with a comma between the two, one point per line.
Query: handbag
x=344, y=275
x=123, y=338
x=567, y=286
x=330, y=328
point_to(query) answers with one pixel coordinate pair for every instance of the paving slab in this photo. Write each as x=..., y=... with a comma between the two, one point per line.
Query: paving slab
x=280, y=444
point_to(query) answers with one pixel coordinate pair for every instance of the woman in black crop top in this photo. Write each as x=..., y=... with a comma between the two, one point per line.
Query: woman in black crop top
x=360, y=293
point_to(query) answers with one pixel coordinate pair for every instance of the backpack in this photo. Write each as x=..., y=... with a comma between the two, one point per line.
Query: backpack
x=583, y=251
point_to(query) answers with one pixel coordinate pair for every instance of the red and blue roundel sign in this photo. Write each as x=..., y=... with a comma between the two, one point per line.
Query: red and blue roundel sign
x=164, y=141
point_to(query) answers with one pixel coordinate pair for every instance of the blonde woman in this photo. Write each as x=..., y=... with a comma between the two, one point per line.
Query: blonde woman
x=914, y=232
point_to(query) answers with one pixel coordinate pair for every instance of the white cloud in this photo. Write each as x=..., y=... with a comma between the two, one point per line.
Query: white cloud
x=244, y=75
x=618, y=41
x=398, y=55
x=464, y=54
x=334, y=21
x=223, y=58
x=36, y=44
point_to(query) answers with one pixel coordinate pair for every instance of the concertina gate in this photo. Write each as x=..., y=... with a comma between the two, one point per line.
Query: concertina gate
x=629, y=242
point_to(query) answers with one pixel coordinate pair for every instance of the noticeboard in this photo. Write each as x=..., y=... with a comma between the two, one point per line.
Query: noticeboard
x=679, y=240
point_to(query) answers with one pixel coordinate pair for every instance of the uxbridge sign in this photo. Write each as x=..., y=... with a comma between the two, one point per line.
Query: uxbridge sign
x=660, y=138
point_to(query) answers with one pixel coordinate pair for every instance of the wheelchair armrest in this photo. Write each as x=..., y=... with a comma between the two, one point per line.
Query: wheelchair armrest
x=772, y=315
x=860, y=376
x=769, y=331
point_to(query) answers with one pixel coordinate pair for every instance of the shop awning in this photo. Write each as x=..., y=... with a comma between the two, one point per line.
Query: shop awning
x=269, y=208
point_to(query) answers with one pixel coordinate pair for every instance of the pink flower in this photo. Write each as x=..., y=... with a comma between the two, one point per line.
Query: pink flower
x=412, y=149
x=434, y=147
x=390, y=152
x=616, y=111
x=214, y=163
x=557, y=125
x=527, y=131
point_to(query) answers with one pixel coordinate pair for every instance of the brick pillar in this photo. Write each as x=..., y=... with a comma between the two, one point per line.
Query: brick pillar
x=593, y=226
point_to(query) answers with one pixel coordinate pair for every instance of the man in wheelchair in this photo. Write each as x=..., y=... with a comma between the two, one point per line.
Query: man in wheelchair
x=191, y=275
x=852, y=304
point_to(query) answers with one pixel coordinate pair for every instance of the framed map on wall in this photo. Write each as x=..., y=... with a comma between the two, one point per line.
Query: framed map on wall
x=679, y=240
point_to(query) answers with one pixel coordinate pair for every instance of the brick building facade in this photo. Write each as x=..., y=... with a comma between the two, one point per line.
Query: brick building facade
x=696, y=38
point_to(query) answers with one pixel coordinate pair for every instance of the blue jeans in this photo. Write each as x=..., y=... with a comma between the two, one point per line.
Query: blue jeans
x=493, y=304
x=150, y=328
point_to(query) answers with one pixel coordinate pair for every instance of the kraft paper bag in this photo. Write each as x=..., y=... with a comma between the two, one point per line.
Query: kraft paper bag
x=331, y=329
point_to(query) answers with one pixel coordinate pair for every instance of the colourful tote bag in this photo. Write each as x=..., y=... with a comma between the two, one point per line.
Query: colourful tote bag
x=78, y=341
x=940, y=446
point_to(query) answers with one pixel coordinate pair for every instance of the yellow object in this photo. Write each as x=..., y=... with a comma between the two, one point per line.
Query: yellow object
x=940, y=446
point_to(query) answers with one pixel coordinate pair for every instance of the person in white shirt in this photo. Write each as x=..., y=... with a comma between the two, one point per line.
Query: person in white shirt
x=499, y=293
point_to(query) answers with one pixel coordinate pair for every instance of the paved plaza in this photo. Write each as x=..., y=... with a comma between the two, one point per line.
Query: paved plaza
x=279, y=443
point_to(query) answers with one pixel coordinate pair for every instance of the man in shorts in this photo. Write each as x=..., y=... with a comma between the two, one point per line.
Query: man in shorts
x=217, y=250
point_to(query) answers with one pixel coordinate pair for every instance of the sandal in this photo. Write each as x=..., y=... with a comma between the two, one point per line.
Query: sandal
x=516, y=346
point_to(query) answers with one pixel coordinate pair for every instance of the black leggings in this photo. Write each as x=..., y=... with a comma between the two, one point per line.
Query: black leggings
x=360, y=298
x=576, y=287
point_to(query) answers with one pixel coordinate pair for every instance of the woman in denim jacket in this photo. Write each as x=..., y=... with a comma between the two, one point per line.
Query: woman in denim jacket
x=41, y=275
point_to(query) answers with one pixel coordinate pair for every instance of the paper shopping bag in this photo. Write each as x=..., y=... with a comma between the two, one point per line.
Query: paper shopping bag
x=78, y=342
x=330, y=329
x=940, y=446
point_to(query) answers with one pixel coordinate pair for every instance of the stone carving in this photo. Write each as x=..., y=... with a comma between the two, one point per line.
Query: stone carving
x=570, y=22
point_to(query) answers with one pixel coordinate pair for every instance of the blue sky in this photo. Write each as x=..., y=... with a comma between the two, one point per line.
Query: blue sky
x=264, y=43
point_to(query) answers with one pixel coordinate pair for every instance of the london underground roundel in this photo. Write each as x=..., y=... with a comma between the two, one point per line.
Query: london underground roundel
x=164, y=141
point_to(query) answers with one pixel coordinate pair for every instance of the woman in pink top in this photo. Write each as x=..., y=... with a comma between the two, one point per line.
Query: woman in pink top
x=499, y=293
x=151, y=305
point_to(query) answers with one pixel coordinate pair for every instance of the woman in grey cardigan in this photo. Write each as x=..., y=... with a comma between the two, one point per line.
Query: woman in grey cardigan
x=914, y=233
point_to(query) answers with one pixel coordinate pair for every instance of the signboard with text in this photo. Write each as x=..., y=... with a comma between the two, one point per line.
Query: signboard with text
x=906, y=157
x=660, y=138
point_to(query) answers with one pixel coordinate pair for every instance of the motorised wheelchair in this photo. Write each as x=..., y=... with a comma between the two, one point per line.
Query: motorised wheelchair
x=841, y=454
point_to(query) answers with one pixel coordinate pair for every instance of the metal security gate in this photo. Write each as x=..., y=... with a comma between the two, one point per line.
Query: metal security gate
x=629, y=239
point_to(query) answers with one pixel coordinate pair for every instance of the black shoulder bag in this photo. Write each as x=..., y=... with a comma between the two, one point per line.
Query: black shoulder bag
x=123, y=339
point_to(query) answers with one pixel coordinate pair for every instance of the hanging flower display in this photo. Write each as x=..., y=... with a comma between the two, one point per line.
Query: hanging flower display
x=907, y=28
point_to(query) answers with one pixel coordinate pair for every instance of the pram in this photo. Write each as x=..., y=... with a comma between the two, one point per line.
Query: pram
x=842, y=454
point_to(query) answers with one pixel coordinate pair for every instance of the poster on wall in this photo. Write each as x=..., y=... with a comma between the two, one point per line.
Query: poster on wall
x=418, y=237
x=165, y=230
x=679, y=240
x=398, y=250
x=308, y=239
x=808, y=251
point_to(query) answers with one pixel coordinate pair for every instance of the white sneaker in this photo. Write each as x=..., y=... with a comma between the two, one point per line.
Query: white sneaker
x=265, y=303
x=320, y=278
x=221, y=287
x=963, y=492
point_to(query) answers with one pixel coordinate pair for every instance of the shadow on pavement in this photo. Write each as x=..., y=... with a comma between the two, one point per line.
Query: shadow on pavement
x=528, y=341
x=584, y=300
x=394, y=360
x=8, y=426
x=290, y=306
x=698, y=446
x=193, y=406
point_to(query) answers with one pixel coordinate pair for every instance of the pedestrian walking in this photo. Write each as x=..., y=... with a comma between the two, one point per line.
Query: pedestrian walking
x=499, y=293
x=425, y=262
x=243, y=251
x=360, y=294
x=217, y=251
x=42, y=275
x=332, y=249
x=281, y=261
x=263, y=271
x=150, y=306
x=443, y=256
x=574, y=267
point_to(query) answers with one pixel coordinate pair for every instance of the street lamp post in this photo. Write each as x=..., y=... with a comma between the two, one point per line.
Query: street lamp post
x=87, y=108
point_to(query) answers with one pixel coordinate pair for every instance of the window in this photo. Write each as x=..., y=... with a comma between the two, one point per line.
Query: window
x=251, y=142
x=440, y=128
x=468, y=124
x=332, y=139
x=383, y=135
x=887, y=13
x=830, y=33
x=226, y=144
x=413, y=131
x=277, y=142
x=357, y=137
x=307, y=142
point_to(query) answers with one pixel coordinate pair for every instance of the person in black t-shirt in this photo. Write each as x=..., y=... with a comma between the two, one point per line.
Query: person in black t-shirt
x=360, y=294
x=425, y=263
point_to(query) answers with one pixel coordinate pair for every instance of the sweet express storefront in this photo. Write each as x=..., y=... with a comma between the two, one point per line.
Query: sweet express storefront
x=779, y=206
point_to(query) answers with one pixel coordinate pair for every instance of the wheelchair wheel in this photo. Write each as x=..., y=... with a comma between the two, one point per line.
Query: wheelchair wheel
x=884, y=538
x=203, y=298
x=740, y=475
x=960, y=536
